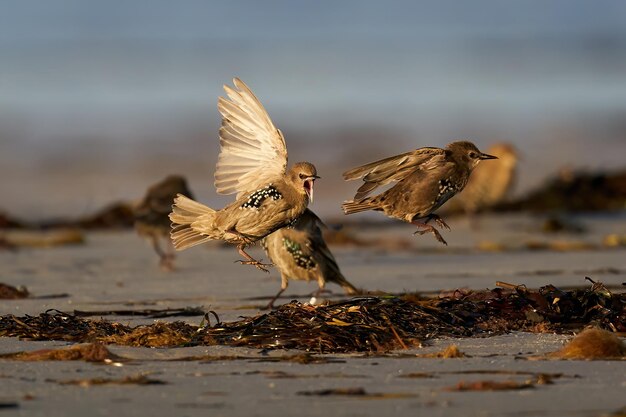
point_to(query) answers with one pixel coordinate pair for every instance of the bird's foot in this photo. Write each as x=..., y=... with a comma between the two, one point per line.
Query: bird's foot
x=270, y=305
x=321, y=291
x=430, y=229
x=438, y=220
x=257, y=264
x=251, y=261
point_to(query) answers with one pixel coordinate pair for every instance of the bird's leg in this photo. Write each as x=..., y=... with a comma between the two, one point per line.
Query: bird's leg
x=428, y=228
x=166, y=262
x=250, y=260
x=322, y=289
x=437, y=220
x=283, y=287
x=245, y=241
x=170, y=254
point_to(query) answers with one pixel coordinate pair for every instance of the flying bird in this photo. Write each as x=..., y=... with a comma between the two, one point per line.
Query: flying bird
x=253, y=164
x=423, y=180
x=300, y=253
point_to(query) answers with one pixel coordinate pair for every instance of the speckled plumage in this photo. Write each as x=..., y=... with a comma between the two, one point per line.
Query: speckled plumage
x=424, y=180
x=250, y=218
x=256, y=199
x=300, y=253
x=252, y=163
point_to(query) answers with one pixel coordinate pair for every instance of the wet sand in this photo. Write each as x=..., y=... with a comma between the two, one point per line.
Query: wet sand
x=117, y=270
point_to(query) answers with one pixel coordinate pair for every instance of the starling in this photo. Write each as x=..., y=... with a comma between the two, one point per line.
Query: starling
x=252, y=163
x=151, y=215
x=300, y=252
x=491, y=183
x=424, y=180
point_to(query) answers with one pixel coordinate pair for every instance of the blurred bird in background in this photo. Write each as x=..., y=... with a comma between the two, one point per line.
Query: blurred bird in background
x=300, y=253
x=151, y=216
x=424, y=180
x=252, y=163
x=490, y=184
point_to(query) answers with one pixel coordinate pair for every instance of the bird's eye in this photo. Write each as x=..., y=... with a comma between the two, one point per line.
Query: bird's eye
x=302, y=176
x=472, y=154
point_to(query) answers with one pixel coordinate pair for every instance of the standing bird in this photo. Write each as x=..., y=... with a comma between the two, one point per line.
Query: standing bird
x=424, y=180
x=252, y=163
x=490, y=184
x=151, y=215
x=300, y=252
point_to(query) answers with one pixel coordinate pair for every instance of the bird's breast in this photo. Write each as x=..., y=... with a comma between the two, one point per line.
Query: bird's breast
x=446, y=189
x=295, y=251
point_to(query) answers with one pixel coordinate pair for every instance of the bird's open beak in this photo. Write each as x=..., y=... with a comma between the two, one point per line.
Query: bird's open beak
x=308, y=186
x=487, y=156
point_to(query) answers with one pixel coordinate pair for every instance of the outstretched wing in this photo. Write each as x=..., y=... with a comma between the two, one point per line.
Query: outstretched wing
x=253, y=151
x=392, y=169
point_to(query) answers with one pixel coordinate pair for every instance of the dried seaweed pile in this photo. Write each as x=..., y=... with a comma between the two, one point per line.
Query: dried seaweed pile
x=575, y=191
x=117, y=215
x=514, y=307
x=368, y=324
x=56, y=325
x=9, y=292
x=381, y=324
x=360, y=324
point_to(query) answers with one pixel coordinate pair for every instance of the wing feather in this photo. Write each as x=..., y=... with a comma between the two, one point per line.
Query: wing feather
x=253, y=150
x=393, y=169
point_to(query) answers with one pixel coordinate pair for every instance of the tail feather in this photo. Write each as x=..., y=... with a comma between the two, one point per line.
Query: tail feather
x=347, y=287
x=185, y=212
x=350, y=207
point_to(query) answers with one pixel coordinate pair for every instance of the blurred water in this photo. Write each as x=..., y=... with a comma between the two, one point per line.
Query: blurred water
x=108, y=96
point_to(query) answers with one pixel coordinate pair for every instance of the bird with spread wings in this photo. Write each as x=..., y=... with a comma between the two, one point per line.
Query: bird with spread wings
x=253, y=164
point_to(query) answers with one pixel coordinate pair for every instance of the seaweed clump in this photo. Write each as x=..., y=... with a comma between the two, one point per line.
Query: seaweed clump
x=365, y=324
x=575, y=191
x=374, y=324
x=379, y=324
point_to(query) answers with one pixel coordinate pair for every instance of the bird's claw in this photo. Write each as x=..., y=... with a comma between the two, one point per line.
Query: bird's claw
x=434, y=231
x=438, y=220
x=257, y=264
x=441, y=223
x=439, y=237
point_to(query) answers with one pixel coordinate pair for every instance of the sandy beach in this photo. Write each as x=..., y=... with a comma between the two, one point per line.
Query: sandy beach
x=116, y=270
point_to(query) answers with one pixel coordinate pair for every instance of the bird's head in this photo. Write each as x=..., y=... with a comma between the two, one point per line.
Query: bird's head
x=302, y=176
x=467, y=153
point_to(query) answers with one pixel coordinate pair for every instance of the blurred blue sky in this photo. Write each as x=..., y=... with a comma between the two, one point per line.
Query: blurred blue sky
x=79, y=76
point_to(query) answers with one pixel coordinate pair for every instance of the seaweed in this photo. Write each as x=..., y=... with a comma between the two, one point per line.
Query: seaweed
x=9, y=292
x=574, y=192
x=92, y=352
x=152, y=313
x=363, y=324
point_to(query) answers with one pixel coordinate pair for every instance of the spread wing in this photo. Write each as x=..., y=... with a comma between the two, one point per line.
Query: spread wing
x=392, y=169
x=253, y=151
